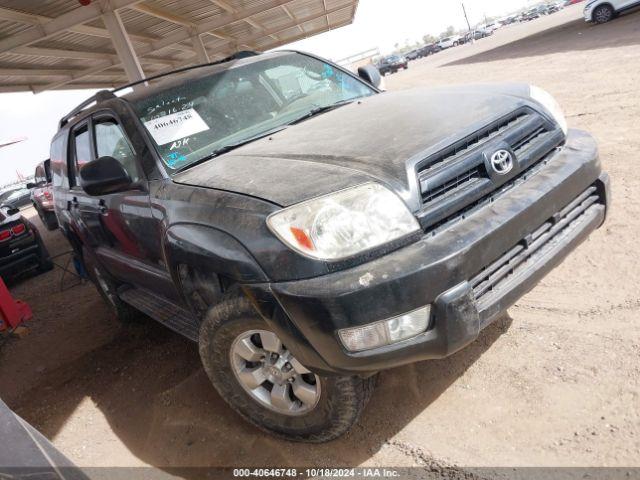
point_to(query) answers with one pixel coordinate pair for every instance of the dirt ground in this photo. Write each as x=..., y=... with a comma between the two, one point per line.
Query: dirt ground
x=556, y=382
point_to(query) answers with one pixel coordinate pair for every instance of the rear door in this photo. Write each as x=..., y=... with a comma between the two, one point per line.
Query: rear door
x=81, y=207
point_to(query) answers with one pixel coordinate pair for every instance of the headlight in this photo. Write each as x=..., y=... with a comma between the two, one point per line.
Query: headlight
x=545, y=99
x=342, y=224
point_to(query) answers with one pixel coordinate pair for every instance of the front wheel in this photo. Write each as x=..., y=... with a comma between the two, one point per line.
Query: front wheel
x=603, y=14
x=259, y=377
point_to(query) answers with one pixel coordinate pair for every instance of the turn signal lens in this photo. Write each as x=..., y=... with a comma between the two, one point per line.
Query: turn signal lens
x=386, y=332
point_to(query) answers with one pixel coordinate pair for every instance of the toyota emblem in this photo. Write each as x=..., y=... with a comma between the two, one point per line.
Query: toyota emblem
x=502, y=162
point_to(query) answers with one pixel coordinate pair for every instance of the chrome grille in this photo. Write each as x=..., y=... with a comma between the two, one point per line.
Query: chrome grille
x=471, y=142
x=456, y=178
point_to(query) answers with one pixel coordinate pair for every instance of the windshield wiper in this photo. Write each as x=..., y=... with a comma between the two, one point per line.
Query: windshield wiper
x=232, y=146
x=318, y=110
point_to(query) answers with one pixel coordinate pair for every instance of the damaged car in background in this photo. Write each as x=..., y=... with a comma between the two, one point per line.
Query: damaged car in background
x=308, y=230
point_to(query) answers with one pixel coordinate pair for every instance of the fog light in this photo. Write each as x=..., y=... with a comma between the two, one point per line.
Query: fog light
x=386, y=332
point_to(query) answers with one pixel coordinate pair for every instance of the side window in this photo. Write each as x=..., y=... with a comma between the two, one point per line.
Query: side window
x=58, y=160
x=39, y=176
x=47, y=170
x=111, y=141
x=82, y=152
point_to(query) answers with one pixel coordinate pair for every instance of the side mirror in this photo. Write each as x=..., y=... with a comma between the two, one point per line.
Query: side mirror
x=371, y=75
x=31, y=185
x=12, y=210
x=104, y=175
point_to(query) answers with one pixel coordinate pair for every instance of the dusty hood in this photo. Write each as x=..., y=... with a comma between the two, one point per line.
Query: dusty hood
x=371, y=140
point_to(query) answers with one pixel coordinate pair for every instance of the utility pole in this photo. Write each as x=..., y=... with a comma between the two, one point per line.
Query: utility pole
x=464, y=10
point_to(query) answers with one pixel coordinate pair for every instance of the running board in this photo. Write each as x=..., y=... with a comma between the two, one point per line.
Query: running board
x=177, y=319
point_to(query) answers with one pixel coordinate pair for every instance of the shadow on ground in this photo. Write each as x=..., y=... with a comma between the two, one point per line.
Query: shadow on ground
x=148, y=384
x=569, y=37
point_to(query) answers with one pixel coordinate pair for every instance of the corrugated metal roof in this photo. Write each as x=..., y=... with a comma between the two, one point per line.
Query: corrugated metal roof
x=42, y=47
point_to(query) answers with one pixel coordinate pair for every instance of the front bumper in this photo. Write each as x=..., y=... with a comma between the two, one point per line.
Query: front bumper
x=470, y=273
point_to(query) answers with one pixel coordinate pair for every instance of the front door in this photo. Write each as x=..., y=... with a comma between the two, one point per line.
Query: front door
x=121, y=224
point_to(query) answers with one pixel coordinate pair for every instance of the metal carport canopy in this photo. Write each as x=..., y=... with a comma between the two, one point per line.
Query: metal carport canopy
x=73, y=44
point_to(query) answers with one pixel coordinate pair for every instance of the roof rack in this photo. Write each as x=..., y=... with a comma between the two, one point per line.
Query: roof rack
x=100, y=96
x=104, y=95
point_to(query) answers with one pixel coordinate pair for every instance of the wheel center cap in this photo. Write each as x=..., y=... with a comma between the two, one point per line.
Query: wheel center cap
x=275, y=372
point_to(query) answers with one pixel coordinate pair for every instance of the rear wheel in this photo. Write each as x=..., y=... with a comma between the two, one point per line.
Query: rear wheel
x=603, y=14
x=45, y=263
x=50, y=220
x=107, y=288
x=47, y=218
x=259, y=377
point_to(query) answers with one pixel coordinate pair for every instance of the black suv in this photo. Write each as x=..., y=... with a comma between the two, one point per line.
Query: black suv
x=307, y=230
x=392, y=64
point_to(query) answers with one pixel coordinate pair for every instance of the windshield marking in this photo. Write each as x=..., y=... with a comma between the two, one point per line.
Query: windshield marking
x=172, y=127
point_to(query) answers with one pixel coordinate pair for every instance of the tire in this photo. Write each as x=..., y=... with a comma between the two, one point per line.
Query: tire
x=47, y=218
x=603, y=14
x=339, y=401
x=107, y=288
x=45, y=263
x=50, y=221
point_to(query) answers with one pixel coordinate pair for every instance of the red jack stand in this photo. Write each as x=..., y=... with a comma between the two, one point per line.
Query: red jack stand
x=12, y=312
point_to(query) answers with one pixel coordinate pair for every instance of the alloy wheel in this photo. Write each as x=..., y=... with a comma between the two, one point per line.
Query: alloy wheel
x=603, y=14
x=271, y=375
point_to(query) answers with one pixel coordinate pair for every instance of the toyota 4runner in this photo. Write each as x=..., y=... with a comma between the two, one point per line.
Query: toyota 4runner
x=308, y=230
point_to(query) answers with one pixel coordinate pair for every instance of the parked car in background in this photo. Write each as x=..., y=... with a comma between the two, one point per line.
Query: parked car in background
x=543, y=10
x=413, y=55
x=21, y=248
x=530, y=15
x=477, y=35
x=429, y=49
x=42, y=195
x=392, y=64
x=493, y=26
x=307, y=230
x=18, y=197
x=602, y=11
x=555, y=7
x=449, y=42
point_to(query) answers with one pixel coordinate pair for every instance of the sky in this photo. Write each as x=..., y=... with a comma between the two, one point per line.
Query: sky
x=378, y=24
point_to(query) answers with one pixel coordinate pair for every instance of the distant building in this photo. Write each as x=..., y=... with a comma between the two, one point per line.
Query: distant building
x=357, y=60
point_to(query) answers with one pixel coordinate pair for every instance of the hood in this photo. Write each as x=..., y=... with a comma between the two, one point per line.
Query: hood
x=379, y=138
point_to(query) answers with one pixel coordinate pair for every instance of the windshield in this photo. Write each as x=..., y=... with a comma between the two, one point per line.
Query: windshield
x=199, y=117
x=17, y=194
